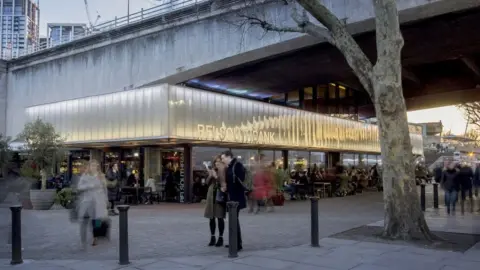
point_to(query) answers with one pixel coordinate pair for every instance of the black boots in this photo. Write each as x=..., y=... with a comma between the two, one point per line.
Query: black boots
x=215, y=242
x=219, y=242
x=212, y=241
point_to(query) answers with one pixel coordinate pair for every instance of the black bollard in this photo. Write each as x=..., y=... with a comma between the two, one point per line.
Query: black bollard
x=314, y=220
x=123, y=233
x=422, y=196
x=16, y=234
x=232, y=229
x=435, y=195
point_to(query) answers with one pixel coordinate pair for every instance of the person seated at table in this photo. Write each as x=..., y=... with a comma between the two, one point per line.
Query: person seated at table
x=302, y=183
x=131, y=181
x=150, y=188
x=291, y=189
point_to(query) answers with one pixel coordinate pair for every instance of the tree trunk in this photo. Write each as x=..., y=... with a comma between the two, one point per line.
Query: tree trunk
x=404, y=218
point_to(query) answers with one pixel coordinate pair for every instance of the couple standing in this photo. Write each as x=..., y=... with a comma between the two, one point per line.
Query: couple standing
x=225, y=182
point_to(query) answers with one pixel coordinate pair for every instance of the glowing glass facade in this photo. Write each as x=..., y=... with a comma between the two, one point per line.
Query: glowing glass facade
x=180, y=113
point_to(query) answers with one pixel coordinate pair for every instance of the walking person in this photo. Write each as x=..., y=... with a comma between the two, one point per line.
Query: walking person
x=476, y=183
x=113, y=182
x=451, y=186
x=215, y=208
x=235, y=178
x=465, y=175
x=92, y=199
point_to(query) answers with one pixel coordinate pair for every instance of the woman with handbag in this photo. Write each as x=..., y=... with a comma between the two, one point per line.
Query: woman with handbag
x=93, y=201
x=215, y=207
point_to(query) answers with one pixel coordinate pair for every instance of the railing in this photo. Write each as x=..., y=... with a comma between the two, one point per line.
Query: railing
x=176, y=9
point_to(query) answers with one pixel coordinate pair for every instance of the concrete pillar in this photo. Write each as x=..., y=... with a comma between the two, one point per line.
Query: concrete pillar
x=186, y=172
x=69, y=167
x=285, y=159
x=332, y=158
x=3, y=97
x=301, y=98
x=142, y=164
x=146, y=165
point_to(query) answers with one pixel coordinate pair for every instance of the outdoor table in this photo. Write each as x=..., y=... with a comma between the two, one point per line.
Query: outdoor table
x=136, y=191
x=325, y=185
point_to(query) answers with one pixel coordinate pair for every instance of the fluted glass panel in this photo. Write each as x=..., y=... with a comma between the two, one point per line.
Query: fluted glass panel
x=178, y=112
x=220, y=118
x=130, y=115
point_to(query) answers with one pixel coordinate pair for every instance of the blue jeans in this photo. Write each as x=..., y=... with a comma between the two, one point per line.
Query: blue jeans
x=451, y=199
x=291, y=189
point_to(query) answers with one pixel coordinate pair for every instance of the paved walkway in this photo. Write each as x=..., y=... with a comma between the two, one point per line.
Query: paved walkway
x=173, y=237
x=181, y=230
x=334, y=254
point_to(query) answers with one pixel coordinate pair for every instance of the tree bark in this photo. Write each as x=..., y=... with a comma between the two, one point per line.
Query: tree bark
x=404, y=218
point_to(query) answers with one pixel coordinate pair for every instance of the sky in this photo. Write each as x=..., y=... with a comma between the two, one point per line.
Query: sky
x=73, y=11
x=452, y=118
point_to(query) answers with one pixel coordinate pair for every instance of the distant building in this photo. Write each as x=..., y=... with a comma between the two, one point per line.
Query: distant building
x=19, y=27
x=59, y=33
x=42, y=43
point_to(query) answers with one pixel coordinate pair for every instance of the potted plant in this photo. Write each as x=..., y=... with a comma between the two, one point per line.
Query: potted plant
x=43, y=146
x=64, y=198
x=280, y=176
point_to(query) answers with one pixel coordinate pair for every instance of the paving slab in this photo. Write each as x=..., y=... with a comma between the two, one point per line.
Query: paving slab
x=265, y=263
x=172, y=230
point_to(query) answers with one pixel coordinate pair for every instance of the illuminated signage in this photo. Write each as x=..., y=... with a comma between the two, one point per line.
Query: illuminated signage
x=295, y=130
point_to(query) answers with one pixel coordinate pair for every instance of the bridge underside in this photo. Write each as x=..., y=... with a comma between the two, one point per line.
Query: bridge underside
x=440, y=68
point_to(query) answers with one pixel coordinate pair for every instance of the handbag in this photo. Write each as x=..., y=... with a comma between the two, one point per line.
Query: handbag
x=220, y=196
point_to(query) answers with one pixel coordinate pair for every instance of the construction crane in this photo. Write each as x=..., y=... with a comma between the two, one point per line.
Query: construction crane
x=92, y=25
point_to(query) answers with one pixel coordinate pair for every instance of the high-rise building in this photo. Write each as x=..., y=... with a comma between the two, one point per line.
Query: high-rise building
x=19, y=27
x=59, y=33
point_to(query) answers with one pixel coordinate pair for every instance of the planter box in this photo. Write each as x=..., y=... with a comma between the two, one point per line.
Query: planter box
x=42, y=199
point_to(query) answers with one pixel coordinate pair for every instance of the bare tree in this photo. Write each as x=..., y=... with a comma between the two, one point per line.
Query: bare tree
x=383, y=82
x=472, y=113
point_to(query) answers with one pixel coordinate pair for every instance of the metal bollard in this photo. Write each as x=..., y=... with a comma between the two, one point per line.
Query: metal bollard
x=435, y=195
x=16, y=234
x=314, y=221
x=232, y=229
x=422, y=196
x=123, y=233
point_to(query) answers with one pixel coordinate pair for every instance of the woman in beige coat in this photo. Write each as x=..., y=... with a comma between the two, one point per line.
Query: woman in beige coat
x=215, y=208
x=92, y=197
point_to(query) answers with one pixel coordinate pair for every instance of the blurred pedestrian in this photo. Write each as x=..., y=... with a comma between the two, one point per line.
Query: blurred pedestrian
x=450, y=184
x=465, y=175
x=113, y=179
x=92, y=198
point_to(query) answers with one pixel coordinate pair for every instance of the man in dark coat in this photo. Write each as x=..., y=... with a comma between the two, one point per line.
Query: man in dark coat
x=466, y=184
x=235, y=177
x=113, y=181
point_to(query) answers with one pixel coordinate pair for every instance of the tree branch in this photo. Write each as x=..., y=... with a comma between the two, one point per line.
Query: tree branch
x=343, y=40
x=268, y=26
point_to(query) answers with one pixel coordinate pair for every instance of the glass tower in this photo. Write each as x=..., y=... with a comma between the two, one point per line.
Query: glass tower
x=19, y=27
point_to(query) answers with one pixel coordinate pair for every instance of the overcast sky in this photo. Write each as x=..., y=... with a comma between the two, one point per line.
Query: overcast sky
x=73, y=11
